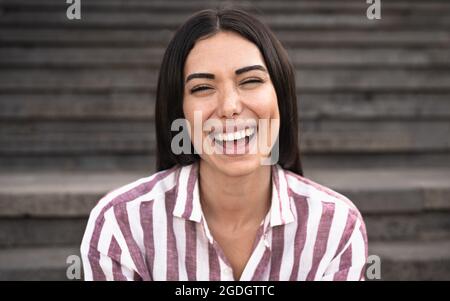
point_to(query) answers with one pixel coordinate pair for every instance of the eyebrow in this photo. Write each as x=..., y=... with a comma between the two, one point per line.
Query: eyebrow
x=199, y=75
x=250, y=68
x=238, y=72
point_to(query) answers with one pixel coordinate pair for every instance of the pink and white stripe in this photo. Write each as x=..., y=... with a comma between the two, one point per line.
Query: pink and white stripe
x=153, y=229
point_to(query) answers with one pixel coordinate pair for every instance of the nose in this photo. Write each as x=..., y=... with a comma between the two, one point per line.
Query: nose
x=230, y=104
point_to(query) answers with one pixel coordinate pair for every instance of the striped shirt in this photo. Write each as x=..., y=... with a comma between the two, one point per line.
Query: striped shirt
x=154, y=229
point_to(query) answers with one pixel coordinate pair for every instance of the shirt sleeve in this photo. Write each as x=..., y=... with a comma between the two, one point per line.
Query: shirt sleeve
x=102, y=256
x=350, y=262
x=101, y=267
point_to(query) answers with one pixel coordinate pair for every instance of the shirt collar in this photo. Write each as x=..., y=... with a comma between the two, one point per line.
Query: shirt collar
x=187, y=202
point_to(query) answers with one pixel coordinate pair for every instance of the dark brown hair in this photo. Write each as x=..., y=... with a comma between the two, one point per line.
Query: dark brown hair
x=169, y=94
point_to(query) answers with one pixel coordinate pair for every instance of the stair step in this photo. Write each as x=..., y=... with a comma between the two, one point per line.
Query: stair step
x=26, y=264
x=51, y=208
x=136, y=162
x=171, y=20
x=286, y=7
x=104, y=162
x=151, y=57
x=142, y=79
x=38, y=232
x=399, y=261
x=85, y=106
x=56, y=231
x=311, y=106
x=127, y=137
x=413, y=260
x=52, y=194
x=389, y=189
x=73, y=37
x=72, y=194
x=77, y=137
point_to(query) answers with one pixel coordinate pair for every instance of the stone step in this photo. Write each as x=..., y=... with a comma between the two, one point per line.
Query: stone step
x=137, y=162
x=138, y=137
x=358, y=37
x=397, y=204
x=51, y=208
x=286, y=7
x=77, y=137
x=151, y=57
x=411, y=260
x=333, y=161
x=26, y=232
x=57, y=231
x=114, y=162
x=311, y=106
x=143, y=79
x=171, y=20
x=32, y=264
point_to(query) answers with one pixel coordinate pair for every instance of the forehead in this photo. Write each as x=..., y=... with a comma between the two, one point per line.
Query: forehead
x=222, y=52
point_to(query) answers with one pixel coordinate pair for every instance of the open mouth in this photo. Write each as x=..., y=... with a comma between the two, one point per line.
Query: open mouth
x=234, y=142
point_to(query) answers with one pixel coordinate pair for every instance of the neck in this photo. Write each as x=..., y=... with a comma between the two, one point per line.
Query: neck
x=235, y=202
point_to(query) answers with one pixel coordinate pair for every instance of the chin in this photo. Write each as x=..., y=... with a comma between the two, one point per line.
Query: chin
x=235, y=166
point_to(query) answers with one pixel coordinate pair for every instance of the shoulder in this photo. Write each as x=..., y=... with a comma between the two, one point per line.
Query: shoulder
x=327, y=211
x=303, y=189
x=145, y=189
x=117, y=213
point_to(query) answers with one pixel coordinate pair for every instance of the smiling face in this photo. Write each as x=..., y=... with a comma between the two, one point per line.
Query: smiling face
x=227, y=82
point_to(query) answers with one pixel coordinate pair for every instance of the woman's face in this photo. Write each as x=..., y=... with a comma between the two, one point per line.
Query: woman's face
x=229, y=90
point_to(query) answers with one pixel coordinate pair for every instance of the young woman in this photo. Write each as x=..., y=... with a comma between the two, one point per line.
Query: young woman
x=219, y=211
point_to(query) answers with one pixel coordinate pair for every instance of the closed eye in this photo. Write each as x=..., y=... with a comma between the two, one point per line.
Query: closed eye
x=252, y=81
x=199, y=88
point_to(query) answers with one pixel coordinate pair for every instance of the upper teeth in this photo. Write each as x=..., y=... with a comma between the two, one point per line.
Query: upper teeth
x=234, y=136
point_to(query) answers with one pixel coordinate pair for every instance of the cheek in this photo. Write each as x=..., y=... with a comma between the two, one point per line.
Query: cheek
x=196, y=112
x=188, y=110
x=264, y=103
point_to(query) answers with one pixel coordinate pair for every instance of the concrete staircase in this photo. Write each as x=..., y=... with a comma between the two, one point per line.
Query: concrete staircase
x=76, y=118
